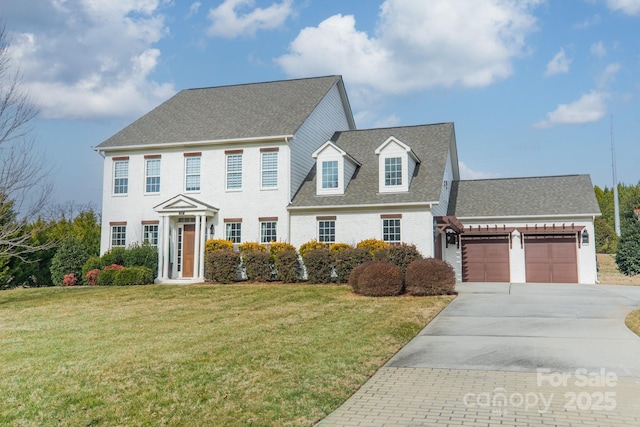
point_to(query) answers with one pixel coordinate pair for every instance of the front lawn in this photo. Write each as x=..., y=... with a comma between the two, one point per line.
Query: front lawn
x=194, y=355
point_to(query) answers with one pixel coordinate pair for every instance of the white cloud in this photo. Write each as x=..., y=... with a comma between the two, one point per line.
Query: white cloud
x=608, y=75
x=417, y=45
x=193, y=9
x=589, y=108
x=629, y=7
x=598, y=49
x=467, y=173
x=93, y=59
x=559, y=64
x=588, y=23
x=234, y=18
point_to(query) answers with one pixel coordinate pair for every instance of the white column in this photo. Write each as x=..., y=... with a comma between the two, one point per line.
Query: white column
x=165, y=247
x=203, y=238
x=196, y=249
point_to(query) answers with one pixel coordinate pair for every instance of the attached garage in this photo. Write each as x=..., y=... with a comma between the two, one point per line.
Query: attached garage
x=551, y=258
x=485, y=258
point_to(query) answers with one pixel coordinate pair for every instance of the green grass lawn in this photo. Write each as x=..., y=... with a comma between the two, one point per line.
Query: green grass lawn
x=194, y=355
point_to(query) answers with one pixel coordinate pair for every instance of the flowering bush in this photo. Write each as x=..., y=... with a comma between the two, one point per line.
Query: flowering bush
x=91, y=278
x=334, y=248
x=218, y=245
x=69, y=280
x=372, y=245
x=247, y=247
x=311, y=245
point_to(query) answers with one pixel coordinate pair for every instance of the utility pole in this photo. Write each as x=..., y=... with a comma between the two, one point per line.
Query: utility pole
x=616, y=206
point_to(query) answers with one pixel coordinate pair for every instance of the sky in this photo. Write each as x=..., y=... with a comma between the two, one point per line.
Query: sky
x=533, y=86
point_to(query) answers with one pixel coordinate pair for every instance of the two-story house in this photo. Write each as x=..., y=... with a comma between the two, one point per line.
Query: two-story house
x=282, y=161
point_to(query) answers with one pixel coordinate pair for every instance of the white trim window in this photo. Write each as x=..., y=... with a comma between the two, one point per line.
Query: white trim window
x=268, y=231
x=327, y=231
x=234, y=171
x=152, y=175
x=233, y=232
x=192, y=173
x=119, y=235
x=329, y=174
x=269, y=165
x=391, y=230
x=393, y=171
x=121, y=176
x=150, y=234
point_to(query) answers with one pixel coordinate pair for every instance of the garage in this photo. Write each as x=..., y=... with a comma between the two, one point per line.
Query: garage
x=551, y=258
x=485, y=258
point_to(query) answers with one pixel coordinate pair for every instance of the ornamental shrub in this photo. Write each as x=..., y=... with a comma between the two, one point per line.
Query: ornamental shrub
x=217, y=245
x=346, y=260
x=276, y=247
x=319, y=265
x=309, y=246
x=142, y=256
x=628, y=252
x=69, y=280
x=257, y=265
x=357, y=271
x=372, y=245
x=288, y=266
x=339, y=247
x=430, y=276
x=138, y=275
x=251, y=247
x=91, y=277
x=114, y=256
x=379, y=279
x=222, y=266
x=401, y=255
x=93, y=263
x=69, y=258
x=107, y=275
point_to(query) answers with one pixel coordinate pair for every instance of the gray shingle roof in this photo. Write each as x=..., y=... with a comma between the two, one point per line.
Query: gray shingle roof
x=545, y=195
x=429, y=142
x=227, y=112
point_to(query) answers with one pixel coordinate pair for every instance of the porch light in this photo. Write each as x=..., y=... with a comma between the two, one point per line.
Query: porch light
x=585, y=237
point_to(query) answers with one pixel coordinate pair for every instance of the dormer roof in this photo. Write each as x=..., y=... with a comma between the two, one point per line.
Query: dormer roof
x=330, y=144
x=405, y=147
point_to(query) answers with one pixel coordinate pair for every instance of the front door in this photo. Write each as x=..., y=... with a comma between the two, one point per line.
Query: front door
x=188, y=243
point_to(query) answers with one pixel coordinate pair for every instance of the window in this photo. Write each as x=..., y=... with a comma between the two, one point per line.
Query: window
x=270, y=169
x=391, y=230
x=393, y=171
x=192, y=173
x=152, y=172
x=327, y=231
x=233, y=232
x=268, y=231
x=150, y=234
x=330, y=174
x=118, y=235
x=234, y=171
x=121, y=176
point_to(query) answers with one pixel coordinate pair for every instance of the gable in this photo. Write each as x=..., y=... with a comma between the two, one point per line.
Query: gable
x=186, y=204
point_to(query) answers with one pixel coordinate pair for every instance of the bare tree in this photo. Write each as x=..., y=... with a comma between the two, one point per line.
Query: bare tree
x=24, y=188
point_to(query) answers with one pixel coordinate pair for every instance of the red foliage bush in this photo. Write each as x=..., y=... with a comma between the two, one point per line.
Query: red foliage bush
x=69, y=280
x=430, y=276
x=378, y=279
x=91, y=278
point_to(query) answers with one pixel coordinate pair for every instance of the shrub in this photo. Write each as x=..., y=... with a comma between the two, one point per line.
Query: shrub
x=107, y=275
x=142, y=256
x=430, y=276
x=69, y=258
x=91, y=277
x=628, y=253
x=339, y=247
x=372, y=245
x=355, y=273
x=137, y=275
x=257, y=265
x=93, y=263
x=402, y=255
x=217, y=245
x=319, y=265
x=346, y=260
x=251, y=247
x=276, y=247
x=114, y=256
x=69, y=280
x=288, y=266
x=309, y=246
x=222, y=266
x=379, y=279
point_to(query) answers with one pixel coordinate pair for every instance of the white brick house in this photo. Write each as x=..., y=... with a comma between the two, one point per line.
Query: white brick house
x=282, y=161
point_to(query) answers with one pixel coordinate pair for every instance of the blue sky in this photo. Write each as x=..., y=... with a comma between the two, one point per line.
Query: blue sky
x=530, y=84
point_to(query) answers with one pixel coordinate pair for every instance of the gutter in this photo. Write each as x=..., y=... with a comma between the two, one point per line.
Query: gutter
x=362, y=206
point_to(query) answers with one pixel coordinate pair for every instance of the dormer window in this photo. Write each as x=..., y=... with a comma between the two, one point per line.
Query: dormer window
x=396, y=165
x=334, y=167
x=393, y=171
x=329, y=174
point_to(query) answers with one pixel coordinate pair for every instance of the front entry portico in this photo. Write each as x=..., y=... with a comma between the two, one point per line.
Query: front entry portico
x=183, y=232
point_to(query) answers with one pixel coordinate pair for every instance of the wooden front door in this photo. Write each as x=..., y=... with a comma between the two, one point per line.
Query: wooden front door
x=188, y=244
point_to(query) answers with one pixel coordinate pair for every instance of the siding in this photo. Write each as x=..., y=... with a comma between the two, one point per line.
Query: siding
x=349, y=170
x=441, y=208
x=328, y=117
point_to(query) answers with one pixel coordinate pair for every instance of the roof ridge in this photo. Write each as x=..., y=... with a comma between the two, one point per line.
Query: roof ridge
x=261, y=83
x=524, y=177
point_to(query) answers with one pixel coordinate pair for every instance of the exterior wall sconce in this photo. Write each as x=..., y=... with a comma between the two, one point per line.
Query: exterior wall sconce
x=585, y=237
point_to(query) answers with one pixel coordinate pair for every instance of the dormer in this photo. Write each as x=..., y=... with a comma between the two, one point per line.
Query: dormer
x=396, y=164
x=334, y=169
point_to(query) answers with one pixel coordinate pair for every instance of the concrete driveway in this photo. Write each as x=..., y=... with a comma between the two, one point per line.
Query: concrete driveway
x=514, y=354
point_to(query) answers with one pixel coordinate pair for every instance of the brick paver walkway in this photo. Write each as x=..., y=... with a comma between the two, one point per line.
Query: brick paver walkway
x=412, y=397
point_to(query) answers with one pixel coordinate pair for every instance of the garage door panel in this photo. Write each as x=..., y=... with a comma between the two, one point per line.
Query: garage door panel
x=485, y=259
x=551, y=259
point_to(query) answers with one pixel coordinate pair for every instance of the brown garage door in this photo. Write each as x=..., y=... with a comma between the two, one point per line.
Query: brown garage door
x=551, y=258
x=485, y=259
